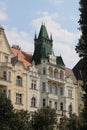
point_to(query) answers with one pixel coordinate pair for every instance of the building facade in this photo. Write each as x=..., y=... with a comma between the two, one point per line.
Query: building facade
x=38, y=80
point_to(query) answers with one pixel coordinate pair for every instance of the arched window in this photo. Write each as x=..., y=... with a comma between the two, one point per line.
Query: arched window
x=56, y=73
x=19, y=80
x=61, y=75
x=33, y=102
x=50, y=71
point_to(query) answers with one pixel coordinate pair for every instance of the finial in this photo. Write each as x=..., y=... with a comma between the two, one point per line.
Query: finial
x=51, y=37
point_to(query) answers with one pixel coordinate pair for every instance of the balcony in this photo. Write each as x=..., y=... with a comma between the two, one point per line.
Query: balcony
x=4, y=83
x=56, y=79
x=6, y=64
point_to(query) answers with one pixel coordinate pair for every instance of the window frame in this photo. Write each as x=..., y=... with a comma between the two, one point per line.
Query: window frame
x=18, y=80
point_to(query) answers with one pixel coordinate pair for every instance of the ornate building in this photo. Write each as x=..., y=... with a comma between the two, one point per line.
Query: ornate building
x=38, y=80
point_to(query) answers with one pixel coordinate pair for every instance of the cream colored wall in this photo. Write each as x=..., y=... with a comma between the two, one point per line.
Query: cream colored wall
x=19, y=89
x=18, y=69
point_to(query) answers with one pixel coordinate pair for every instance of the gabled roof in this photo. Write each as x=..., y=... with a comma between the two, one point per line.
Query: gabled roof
x=43, y=32
x=6, y=47
x=59, y=61
x=23, y=56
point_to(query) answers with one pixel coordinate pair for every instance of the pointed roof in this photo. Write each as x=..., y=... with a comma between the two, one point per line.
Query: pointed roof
x=43, y=32
x=59, y=61
x=24, y=57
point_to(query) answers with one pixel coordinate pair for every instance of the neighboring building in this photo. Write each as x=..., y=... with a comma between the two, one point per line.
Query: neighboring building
x=13, y=74
x=32, y=82
x=79, y=76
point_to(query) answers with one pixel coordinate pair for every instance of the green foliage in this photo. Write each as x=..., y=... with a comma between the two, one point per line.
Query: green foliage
x=72, y=123
x=44, y=119
x=10, y=119
x=81, y=49
x=64, y=123
x=6, y=112
x=21, y=120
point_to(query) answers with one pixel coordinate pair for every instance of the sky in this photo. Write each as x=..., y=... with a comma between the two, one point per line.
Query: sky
x=22, y=18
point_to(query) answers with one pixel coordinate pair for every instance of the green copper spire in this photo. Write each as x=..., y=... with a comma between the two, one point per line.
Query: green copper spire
x=43, y=32
x=42, y=45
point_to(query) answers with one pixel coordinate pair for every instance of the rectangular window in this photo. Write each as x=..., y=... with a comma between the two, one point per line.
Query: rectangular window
x=70, y=93
x=18, y=98
x=43, y=86
x=5, y=75
x=44, y=102
x=33, y=84
x=50, y=89
x=55, y=90
x=61, y=90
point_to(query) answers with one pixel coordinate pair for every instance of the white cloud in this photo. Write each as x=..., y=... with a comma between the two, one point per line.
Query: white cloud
x=3, y=15
x=22, y=39
x=63, y=40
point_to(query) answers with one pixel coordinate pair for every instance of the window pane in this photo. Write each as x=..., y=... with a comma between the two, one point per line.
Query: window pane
x=18, y=98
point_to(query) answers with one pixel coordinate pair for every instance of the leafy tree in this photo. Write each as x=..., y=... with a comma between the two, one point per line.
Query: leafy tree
x=6, y=112
x=64, y=123
x=70, y=123
x=21, y=120
x=81, y=49
x=44, y=119
x=11, y=119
